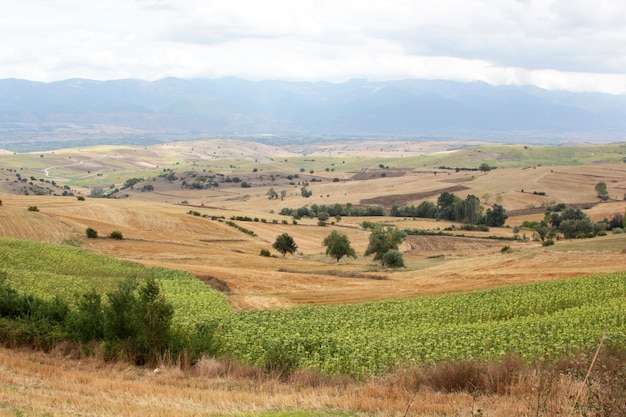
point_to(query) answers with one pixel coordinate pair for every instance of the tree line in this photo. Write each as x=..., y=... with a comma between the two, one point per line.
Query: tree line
x=448, y=207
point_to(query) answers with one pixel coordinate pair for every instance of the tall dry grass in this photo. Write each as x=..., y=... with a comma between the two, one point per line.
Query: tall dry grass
x=66, y=382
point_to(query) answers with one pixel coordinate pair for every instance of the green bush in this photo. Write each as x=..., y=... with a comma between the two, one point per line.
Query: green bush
x=393, y=259
x=265, y=252
x=33, y=208
x=116, y=234
x=548, y=242
x=91, y=233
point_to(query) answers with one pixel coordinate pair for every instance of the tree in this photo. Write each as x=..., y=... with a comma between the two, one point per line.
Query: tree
x=484, y=167
x=471, y=210
x=496, y=216
x=338, y=246
x=393, y=259
x=306, y=193
x=449, y=206
x=285, y=243
x=91, y=233
x=272, y=194
x=382, y=240
x=602, y=191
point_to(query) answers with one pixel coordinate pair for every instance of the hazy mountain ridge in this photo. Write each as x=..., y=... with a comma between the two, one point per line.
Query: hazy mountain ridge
x=230, y=106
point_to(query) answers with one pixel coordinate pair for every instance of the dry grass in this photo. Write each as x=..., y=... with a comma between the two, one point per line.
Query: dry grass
x=165, y=235
x=36, y=384
x=158, y=231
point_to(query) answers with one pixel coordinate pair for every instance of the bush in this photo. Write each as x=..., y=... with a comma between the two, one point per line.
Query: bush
x=506, y=249
x=265, y=252
x=80, y=198
x=393, y=259
x=548, y=242
x=116, y=234
x=33, y=208
x=91, y=233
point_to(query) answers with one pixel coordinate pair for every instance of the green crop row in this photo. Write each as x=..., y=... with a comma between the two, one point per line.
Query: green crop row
x=45, y=271
x=539, y=320
x=547, y=319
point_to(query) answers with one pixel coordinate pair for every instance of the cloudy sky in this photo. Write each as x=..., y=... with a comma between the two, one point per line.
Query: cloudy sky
x=575, y=45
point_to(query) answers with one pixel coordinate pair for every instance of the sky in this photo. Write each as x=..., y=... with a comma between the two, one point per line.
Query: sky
x=576, y=45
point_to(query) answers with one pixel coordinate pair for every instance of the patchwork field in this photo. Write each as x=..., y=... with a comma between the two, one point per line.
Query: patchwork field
x=173, y=204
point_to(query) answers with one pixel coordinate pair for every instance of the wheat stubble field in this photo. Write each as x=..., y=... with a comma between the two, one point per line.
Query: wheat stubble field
x=160, y=229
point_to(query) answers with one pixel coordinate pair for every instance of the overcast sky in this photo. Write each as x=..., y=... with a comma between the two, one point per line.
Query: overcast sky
x=575, y=45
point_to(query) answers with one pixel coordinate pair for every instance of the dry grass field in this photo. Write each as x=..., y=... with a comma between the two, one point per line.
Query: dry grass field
x=35, y=384
x=158, y=229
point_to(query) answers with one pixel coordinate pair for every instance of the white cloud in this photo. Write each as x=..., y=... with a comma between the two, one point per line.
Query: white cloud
x=565, y=44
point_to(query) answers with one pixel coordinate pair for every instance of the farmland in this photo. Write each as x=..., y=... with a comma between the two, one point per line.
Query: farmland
x=460, y=296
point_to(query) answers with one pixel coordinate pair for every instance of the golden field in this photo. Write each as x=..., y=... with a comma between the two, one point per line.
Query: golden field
x=159, y=228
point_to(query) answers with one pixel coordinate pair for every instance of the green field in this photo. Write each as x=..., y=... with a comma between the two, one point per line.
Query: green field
x=543, y=320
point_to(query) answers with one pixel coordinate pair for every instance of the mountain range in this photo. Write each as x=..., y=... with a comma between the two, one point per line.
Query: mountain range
x=139, y=111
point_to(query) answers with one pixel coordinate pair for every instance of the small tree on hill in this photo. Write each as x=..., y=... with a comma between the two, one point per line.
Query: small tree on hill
x=91, y=233
x=382, y=240
x=602, y=191
x=338, y=246
x=285, y=243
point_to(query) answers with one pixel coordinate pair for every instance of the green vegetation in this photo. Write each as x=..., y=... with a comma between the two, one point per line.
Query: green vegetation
x=602, y=191
x=338, y=245
x=451, y=207
x=539, y=321
x=382, y=240
x=116, y=234
x=91, y=233
x=333, y=210
x=542, y=320
x=285, y=244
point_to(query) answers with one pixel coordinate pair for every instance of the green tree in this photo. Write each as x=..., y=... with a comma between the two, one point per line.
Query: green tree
x=393, y=259
x=137, y=321
x=496, y=216
x=91, y=233
x=87, y=323
x=602, y=191
x=484, y=167
x=383, y=239
x=472, y=210
x=306, y=193
x=338, y=246
x=285, y=244
x=449, y=206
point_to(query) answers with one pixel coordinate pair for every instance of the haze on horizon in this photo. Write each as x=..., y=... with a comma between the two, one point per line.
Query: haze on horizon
x=556, y=44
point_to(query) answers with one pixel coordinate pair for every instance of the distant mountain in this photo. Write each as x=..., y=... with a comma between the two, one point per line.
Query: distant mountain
x=133, y=110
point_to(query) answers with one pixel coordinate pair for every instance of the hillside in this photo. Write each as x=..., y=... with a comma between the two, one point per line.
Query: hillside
x=172, y=182
x=160, y=230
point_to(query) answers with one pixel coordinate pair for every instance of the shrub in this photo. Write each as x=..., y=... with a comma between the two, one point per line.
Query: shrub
x=265, y=252
x=393, y=259
x=506, y=249
x=91, y=233
x=116, y=234
x=548, y=242
x=33, y=208
x=80, y=198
